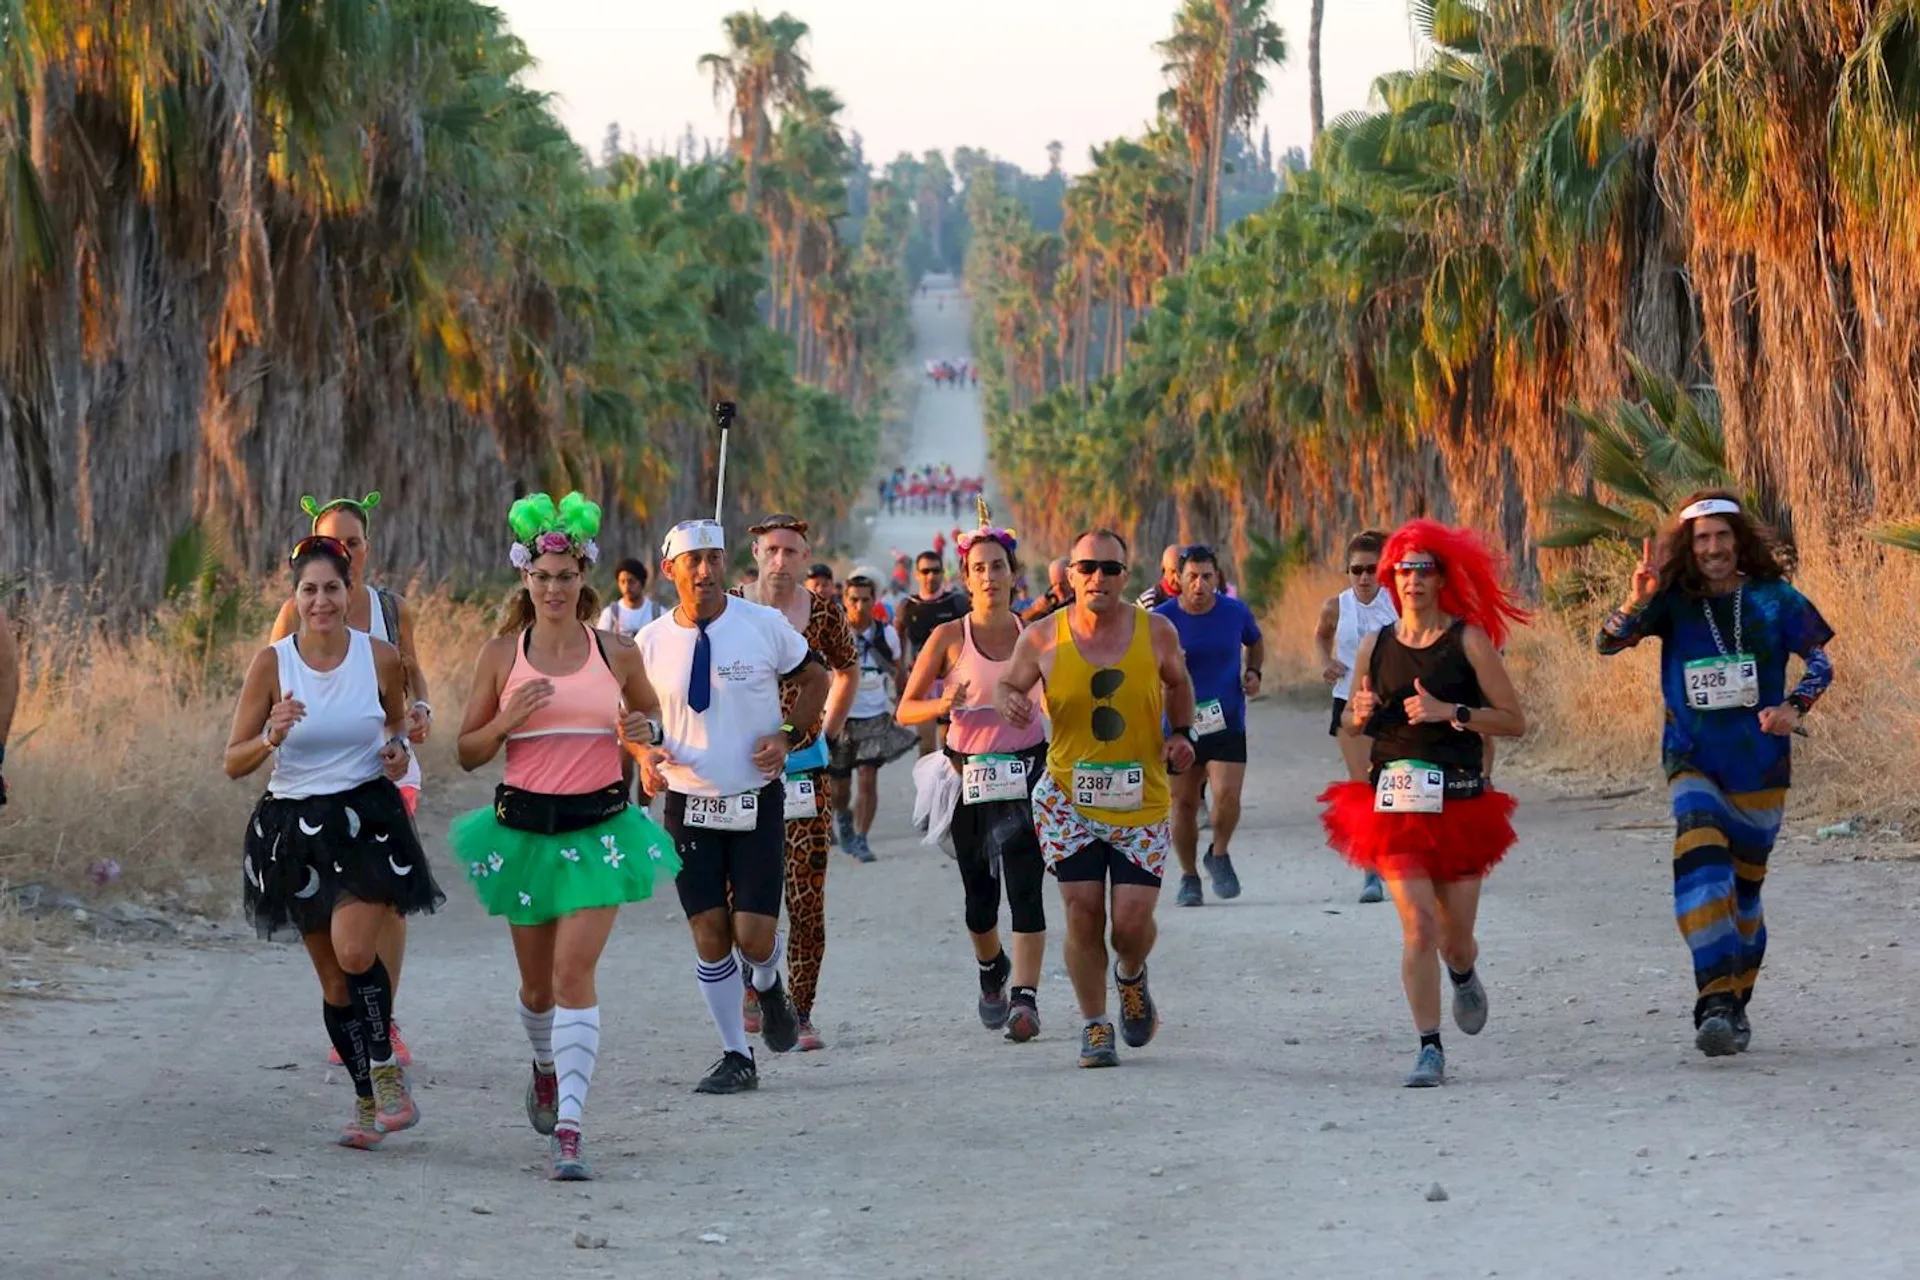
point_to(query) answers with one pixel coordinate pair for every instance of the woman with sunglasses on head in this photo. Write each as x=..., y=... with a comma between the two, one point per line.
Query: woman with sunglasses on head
x=1345, y=620
x=1427, y=690
x=330, y=851
x=993, y=834
x=561, y=849
x=384, y=616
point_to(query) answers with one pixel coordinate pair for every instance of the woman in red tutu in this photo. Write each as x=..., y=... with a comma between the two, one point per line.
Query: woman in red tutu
x=1429, y=690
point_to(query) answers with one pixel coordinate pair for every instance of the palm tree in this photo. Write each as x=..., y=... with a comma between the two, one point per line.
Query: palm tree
x=762, y=69
x=1316, y=102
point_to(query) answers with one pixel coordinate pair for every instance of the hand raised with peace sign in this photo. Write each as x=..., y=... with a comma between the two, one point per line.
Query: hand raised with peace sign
x=1646, y=578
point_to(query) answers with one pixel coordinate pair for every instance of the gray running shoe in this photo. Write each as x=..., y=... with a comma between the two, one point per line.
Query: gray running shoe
x=567, y=1159
x=1373, y=888
x=994, y=1004
x=1716, y=1036
x=843, y=826
x=1139, y=1017
x=1742, y=1031
x=1189, y=892
x=1220, y=866
x=1096, y=1046
x=1023, y=1023
x=857, y=846
x=1429, y=1069
x=1470, y=1005
x=543, y=1100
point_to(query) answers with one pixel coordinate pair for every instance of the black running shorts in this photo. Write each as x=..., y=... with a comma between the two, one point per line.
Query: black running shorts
x=1100, y=861
x=1220, y=748
x=752, y=863
x=1339, y=711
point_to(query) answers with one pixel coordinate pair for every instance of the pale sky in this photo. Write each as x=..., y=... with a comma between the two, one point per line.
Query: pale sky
x=1004, y=75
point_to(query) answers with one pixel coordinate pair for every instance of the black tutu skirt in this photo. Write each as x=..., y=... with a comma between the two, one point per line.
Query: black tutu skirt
x=301, y=858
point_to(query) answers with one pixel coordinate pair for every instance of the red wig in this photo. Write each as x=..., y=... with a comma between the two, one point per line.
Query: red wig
x=1473, y=590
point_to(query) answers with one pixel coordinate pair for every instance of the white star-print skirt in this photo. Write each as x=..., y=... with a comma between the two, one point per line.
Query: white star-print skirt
x=301, y=858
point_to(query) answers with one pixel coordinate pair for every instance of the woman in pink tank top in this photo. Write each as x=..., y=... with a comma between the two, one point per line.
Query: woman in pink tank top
x=561, y=849
x=992, y=828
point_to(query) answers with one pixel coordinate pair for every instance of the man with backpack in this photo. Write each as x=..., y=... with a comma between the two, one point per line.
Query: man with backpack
x=872, y=737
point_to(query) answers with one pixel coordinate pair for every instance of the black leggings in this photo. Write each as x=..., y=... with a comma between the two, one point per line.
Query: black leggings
x=1020, y=862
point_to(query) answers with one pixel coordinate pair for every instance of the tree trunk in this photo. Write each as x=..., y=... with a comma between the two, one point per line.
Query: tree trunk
x=1316, y=103
x=1223, y=98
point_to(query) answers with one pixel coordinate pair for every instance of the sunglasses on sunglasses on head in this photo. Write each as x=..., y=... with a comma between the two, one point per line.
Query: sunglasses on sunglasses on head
x=1112, y=568
x=318, y=542
x=1417, y=568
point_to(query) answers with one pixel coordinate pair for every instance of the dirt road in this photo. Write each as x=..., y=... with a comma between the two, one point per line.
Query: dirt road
x=178, y=1125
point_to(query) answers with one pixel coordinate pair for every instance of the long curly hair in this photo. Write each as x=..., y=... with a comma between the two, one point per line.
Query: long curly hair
x=1473, y=589
x=1758, y=552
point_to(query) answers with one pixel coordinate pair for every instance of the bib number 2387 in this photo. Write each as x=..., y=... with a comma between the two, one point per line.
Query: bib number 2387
x=724, y=813
x=1410, y=786
x=1720, y=684
x=1109, y=786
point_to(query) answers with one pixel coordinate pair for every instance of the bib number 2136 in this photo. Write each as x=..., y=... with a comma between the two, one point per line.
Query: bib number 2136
x=724, y=813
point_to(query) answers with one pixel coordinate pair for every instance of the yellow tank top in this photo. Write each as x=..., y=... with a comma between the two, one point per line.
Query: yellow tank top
x=1122, y=727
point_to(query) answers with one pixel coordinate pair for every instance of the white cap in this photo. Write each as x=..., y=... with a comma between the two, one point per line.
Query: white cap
x=1711, y=507
x=693, y=535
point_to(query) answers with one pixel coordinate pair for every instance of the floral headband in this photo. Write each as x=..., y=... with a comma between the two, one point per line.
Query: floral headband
x=963, y=542
x=540, y=528
x=359, y=506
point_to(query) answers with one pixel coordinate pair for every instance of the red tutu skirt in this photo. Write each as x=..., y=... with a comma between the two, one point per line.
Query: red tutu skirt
x=1461, y=842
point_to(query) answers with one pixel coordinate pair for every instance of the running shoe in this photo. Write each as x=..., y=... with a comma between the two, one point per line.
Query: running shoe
x=994, y=1007
x=1715, y=1035
x=363, y=1132
x=1429, y=1069
x=1220, y=866
x=809, y=1038
x=1742, y=1030
x=543, y=1100
x=567, y=1161
x=750, y=1008
x=734, y=1073
x=1139, y=1018
x=401, y=1054
x=1189, y=892
x=1373, y=888
x=843, y=826
x=1023, y=1022
x=1470, y=1005
x=779, y=1025
x=333, y=1058
x=1096, y=1046
x=396, y=1107
x=861, y=850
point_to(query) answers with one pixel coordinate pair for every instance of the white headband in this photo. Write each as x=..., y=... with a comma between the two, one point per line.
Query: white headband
x=1711, y=507
x=693, y=535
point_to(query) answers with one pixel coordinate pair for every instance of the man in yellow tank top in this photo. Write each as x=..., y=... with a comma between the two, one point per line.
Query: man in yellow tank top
x=1111, y=671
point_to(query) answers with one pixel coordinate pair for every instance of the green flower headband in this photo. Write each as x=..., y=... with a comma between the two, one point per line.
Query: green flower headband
x=359, y=506
x=540, y=528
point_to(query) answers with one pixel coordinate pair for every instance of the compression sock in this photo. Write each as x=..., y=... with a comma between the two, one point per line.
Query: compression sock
x=372, y=995
x=539, y=1029
x=576, y=1046
x=723, y=1004
x=350, y=1042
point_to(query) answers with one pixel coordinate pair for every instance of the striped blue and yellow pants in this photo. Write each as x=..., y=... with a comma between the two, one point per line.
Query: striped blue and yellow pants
x=1720, y=846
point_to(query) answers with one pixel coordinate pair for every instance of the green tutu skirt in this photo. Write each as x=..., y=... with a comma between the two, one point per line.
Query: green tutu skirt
x=531, y=878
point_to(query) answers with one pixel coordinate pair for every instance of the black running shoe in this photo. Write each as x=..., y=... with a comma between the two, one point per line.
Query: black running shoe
x=734, y=1073
x=994, y=1006
x=1139, y=1018
x=779, y=1024
x=1742, y=1031
x=1715, y=1035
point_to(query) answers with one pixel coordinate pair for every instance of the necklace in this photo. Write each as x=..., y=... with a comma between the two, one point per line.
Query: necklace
x=1739, y=631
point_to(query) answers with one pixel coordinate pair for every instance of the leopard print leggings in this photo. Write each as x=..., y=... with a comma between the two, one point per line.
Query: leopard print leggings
x=809, y=846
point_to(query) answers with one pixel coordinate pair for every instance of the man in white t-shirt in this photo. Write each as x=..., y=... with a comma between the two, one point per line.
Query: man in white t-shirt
x=872, y=737
x=632, y=609
x=717, y=662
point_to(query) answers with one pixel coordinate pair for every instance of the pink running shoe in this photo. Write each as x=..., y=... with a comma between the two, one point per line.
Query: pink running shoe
x=809, y=1038
x=362, y=1133
x=750, y=1011
x=401, y=1054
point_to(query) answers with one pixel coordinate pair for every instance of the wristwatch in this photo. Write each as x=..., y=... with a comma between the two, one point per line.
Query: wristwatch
x=793, y=734
x=1800, y=702
x=1186, y=731
x=1463, y=714
x=266, y=739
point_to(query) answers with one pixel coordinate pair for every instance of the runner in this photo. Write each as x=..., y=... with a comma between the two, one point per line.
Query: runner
x=871, y=738
x=1167, y=585
x=780, y=547
x=993, y=834
x=1111, y=671
x=1715, y=591
x=1345, y=620
x=722, y=765
x=384, y=616
x=1059, y=592
x=820, y=582
x=561, y=849
x=633, y=609
x=920, y=613
x=1214, y=631
x=330, y=851
x=1426, y=689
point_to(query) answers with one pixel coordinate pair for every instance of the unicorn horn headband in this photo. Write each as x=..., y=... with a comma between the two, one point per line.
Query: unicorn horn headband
x=1005, y=537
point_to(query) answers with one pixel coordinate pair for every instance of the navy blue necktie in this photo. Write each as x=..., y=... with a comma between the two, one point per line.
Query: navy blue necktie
x=700, y=679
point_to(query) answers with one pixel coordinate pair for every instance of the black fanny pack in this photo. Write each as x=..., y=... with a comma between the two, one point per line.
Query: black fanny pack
x=547, y=815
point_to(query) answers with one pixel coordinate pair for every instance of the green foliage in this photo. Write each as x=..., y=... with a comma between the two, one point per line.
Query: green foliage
x=209, y=604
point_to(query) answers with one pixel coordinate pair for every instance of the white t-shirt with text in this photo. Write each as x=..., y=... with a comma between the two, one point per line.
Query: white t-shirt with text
x=622, y=620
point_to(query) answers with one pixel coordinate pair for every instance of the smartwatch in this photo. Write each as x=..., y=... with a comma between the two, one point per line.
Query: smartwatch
x=793, y=734
x=1463, y=714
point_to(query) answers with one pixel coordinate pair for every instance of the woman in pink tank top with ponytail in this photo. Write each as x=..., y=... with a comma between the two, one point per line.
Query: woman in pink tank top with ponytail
x=992, y=828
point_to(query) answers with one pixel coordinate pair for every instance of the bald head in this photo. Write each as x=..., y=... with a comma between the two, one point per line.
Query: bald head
x=1170, y=561
x=1057, y=575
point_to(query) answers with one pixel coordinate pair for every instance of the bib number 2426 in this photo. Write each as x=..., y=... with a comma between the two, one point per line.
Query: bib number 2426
x=1721, y=684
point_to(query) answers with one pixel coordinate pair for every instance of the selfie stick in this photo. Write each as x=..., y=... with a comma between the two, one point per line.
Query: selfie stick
x=723, y=412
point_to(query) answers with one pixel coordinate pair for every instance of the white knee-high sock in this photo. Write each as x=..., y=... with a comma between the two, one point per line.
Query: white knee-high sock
x=766, y=972
x=539, y=1028
x=576, y=1045
x=723, y=1002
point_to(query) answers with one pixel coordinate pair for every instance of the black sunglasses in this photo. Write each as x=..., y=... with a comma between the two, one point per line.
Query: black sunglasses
x=1358, y=570
x=1107, y=724
x=1112, y=568
x=933, y=569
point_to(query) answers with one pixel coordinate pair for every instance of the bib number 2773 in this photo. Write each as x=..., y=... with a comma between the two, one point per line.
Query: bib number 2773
x=724, y=813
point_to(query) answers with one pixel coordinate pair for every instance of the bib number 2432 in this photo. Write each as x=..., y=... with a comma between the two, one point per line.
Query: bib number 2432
x=724, y=813
x=1410, y=786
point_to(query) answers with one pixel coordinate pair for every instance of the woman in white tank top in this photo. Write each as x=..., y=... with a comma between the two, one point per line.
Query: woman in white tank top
x=330, y=851
x=1363, y=609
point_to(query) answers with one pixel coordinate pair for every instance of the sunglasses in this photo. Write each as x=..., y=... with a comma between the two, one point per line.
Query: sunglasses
x=1363, y=570
x=930, y=571
x=1112, y=568
x=1107, y=724
x=318, y=542
x=1417, y=568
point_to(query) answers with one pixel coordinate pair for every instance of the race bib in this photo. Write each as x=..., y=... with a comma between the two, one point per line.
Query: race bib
x=1719, y=684
x=1410, y=786
x=800, y=798
x=724, y=813
x=1109, y=786
x=1209, y=718
x=989, y=778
